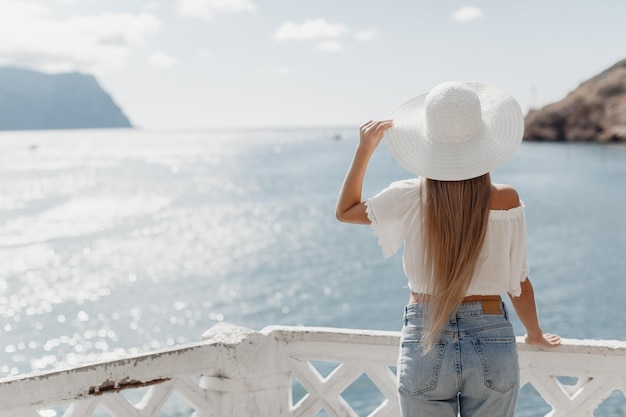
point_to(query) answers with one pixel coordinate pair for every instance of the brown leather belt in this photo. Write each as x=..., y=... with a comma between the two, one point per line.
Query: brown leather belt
x=492, y=304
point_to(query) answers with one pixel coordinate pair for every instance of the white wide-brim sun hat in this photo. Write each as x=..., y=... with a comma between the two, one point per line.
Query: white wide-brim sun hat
x=456, y=131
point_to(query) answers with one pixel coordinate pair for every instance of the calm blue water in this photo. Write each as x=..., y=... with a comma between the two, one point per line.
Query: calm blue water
x=117, y=242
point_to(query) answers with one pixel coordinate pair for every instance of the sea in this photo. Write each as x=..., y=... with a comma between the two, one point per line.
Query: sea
x=117, y=242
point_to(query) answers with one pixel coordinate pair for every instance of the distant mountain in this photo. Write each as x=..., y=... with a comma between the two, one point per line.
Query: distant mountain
x=594, y=112
x=34, y=100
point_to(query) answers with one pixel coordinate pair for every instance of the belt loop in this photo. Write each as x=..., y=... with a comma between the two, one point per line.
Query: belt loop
x=406, y=310
x=505, y=310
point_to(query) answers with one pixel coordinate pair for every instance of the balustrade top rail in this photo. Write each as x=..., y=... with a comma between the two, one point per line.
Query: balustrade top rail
x=239, y=372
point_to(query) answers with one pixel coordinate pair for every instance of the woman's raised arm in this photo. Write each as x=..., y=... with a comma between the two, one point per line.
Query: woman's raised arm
x=350, y=208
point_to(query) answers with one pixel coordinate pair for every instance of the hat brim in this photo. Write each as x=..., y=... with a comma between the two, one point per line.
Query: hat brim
x=501, y=135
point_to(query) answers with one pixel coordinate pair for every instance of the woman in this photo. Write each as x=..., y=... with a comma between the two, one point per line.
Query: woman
x=464, y=246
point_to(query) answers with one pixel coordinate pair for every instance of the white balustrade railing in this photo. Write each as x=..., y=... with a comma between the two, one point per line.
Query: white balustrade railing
x=281, y=372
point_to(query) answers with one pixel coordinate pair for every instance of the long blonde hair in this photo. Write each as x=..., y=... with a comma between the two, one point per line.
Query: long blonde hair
x=455, y=224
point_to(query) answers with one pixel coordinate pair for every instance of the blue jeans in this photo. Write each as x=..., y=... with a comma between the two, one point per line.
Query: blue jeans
x=472, y=370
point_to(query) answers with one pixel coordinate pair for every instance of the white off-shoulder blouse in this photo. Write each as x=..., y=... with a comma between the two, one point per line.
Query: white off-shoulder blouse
x=395, y=214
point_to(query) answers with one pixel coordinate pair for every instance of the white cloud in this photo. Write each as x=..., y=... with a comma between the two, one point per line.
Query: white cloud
x=161, y=60
x=330, y=46
x=207, y=9
x=465, y=14
x=33, y=37
x=365, y=35
x=18, y=8
x=309, y=29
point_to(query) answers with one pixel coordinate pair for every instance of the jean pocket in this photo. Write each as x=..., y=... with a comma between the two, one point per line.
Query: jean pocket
x=418, y=373
x=498, y=357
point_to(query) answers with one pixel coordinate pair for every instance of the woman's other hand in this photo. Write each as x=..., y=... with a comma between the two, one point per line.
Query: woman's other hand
x=526, y=310
x=545, y=340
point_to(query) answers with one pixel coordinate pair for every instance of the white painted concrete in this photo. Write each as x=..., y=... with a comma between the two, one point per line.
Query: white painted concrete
x=240, y=372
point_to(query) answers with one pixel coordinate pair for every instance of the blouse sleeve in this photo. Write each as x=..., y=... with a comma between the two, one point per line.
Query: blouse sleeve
x=391, y=212
x=519, y=263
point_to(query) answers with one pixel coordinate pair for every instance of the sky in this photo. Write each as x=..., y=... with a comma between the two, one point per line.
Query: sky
x=196, y=64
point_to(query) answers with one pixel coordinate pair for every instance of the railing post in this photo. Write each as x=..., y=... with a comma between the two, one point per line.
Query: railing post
x=251, y=378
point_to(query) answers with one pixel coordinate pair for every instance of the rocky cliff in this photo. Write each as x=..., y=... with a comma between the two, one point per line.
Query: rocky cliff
x=34, y=100
x=594, y=111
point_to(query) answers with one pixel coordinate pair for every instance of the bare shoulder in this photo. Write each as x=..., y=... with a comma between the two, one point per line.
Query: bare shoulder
x=503, y=197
